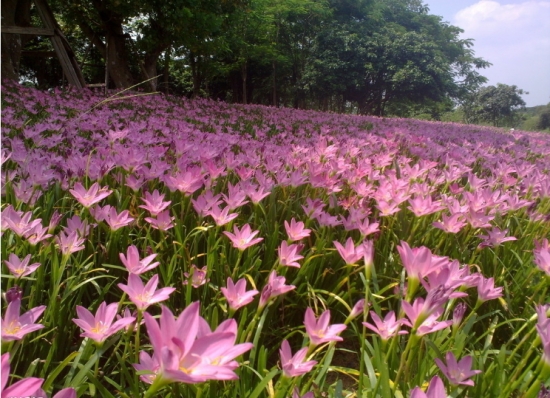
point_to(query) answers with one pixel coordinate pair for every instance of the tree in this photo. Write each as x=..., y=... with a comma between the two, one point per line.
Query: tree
x=544, y=119
x=498, y=105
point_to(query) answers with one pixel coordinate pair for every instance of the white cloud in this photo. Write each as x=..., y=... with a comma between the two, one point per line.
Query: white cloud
x=515, y=38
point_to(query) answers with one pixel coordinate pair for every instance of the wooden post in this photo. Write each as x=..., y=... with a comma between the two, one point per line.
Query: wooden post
x=60, y=44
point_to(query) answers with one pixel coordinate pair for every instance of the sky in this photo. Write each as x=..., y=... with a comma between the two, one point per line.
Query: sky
x=514, y=35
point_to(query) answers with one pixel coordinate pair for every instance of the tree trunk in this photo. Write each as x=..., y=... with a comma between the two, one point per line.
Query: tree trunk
x=244, y=70
x=119, y=68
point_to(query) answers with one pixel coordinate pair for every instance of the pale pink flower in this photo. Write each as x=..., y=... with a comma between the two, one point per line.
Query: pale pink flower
x=542, y=255
x=143, y=296
x=236, y=294
x=275, y=287
x=163, y=222
x=349, y=253
x=295, y=230
x=70, y=243
x=100, y=326
x=154, y=202
x=294, y=365
x=451, y=224
x=236, y=196
x=37, y=234
x=23, y=388
x=134, y=265
x=388, y=327
x=486, y=289
x=20, y=223
x=424, y=205
x=197, y=276
x=15, y=326
x=319, y=331
x=288, y=255
x=20, y=268
x=91, y=196
x=436, y=389
x=186, y=351
x=494, y=238
x=116, y=220
x=457, y=372
x=221, y=217
x=187, y=182
x=243, y=238
x=205, y=202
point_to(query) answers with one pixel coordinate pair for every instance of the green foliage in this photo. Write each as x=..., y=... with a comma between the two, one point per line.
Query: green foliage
x=498, y=105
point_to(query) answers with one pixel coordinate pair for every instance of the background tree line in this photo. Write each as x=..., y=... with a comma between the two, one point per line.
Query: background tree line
x=379, y=57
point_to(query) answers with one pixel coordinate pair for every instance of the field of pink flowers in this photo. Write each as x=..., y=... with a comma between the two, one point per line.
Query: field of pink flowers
x=160, y=247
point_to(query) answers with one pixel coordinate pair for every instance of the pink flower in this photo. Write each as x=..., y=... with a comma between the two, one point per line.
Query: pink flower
x=236, y=294
x=486, y=289
x=243, y=238
x=222, y=217
x=20, y=223
x=163, y=222
x=15, y=326
x=288, y=255
x=116, y=220
x=542, y=255
x=70, y=243
x=451, y=224
x=20, y=268
x=187, y=182
x=294, y=365
x=349, y=253
x=494, y=238
x=543, y=329
x=186, y=351
x=90, y=196
x=197, y=276
x=22, y=388
x=154, y=202
x=436, y=389
x=457, y=372
x=388, y=327
x=37, y=234
x=144, y=296
x=319, y=331
x=275, y=287
x=100, y=326
x=295, y=230
x=134, y=265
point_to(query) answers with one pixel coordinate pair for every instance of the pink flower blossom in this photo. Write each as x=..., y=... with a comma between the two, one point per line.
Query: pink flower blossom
x=436, y=389
x=116, y=220
x=20, y=268
x=294, y=365
x=22, y=388
x=197, y=276
x=143, y=296
x=91, y=196
x=542, y=255
x=163, y=222
x=319, y=331
x=288, y=255
x=70, y=243
x=186, y=351
x=20, y=223
x=486, y=289
x=295, y=230
x=243, y=238
x=154, y=202
x=275, y=287
x=494, y=238
x=100, y=326
x=222, y=217
x=236, y=294
x=457, y=372
x=15, y=326
x=388, y=327
x=134, y=265
x=349, y=253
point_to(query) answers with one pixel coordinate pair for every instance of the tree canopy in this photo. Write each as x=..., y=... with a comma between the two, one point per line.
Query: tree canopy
x=370, y=56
